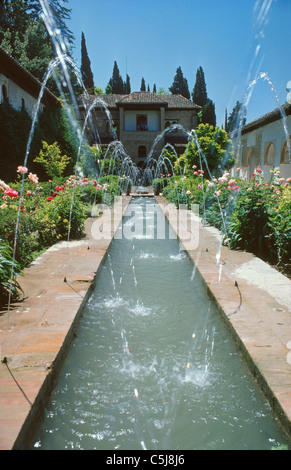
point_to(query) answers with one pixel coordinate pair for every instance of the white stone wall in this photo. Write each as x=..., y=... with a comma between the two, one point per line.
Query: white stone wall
x=153, y=120
x=17, y=96
x=264, y=147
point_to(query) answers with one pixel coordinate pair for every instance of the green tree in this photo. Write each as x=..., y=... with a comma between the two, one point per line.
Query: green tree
x=180, y=85
x=116, y=82
x=199, y=94
x=86, y=71
x=62, y=15
x=127, y=89
x=4, y=24
x=52, y=160
x=162, y=91
x=108, y=89
x=98, y=90
x=216, y=148
x=208, y=113
x=34, y=52
x=236, y=118
x=142, y=85
x=15, y=18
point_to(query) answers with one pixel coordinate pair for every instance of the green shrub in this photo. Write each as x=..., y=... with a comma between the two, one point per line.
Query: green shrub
x=55, y=218
x=51, y=158
x=9, y=271
x=27, y=236
x=280, y=226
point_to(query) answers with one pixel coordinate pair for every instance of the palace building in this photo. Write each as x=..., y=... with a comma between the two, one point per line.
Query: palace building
x=139, y=118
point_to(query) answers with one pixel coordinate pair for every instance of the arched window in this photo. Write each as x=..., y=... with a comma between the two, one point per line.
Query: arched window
x=246, y=157
x=251, y=161
x=141, y=122
x=4, y=94
x=269, y=159
x=285, y=157
x=142, y=151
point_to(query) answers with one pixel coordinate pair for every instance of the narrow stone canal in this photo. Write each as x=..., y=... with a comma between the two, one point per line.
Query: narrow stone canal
x=152, y=365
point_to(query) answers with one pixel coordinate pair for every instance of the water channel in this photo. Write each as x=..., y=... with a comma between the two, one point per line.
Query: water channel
x=153, y=365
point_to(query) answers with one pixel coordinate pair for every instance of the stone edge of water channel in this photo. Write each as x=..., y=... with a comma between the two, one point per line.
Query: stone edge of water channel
x=256, y=315
x=37, y=332
x=36, y=343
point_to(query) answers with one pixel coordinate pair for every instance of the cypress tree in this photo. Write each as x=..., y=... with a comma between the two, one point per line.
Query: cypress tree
x=236, y=118
x=127, y=85
x=199, y=94
x=180, y=85
x=208, y=113
x=116, y=82
x=143, y=85
x=86, y=71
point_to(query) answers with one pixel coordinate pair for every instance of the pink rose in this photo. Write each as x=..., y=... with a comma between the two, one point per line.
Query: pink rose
x=11, y=193
x=22, y=170
x=33, y=178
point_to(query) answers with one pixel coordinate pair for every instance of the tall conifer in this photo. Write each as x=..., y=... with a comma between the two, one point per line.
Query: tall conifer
x=180, y=85
x=143, y=85
x=86, y=71
x=199, y=94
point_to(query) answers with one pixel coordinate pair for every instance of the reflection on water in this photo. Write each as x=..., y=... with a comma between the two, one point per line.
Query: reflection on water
x=152, y=366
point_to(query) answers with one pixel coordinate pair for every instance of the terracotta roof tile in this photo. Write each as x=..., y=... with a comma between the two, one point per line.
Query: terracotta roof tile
x=144, y=97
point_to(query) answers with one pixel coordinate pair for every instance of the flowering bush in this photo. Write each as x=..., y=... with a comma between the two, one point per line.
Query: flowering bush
x=9, y=272
x=254, y=216
x=44, y=210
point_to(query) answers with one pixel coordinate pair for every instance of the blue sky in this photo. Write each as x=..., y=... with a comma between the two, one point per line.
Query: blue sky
x=233, y=40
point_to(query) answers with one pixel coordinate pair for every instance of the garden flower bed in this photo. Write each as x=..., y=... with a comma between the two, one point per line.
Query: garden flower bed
x=34, y=216
x=254, y=216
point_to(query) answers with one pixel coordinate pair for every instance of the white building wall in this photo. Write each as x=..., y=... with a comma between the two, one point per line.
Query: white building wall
x=16, y=94
x=276, y=133
x=153, y=118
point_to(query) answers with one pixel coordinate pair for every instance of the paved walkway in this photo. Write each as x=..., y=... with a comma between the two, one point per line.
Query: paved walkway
x=255, y=302
x=253, y=298
x=38, y=330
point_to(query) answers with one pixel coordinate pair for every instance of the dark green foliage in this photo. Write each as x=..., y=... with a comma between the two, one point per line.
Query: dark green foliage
x=142, y=85
x=199, y=94
x=86, y=71
x=127, y=86
x=237, y=118
x=180, y=85
x=8, y=273
x=53, y=126
x=23, y=35
x=208, y=113
x=115, y=83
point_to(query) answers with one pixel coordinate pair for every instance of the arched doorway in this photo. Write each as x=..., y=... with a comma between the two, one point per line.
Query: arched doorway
x=269, y=159
x=142, y=151
x=285, y=157
x=251, y=162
